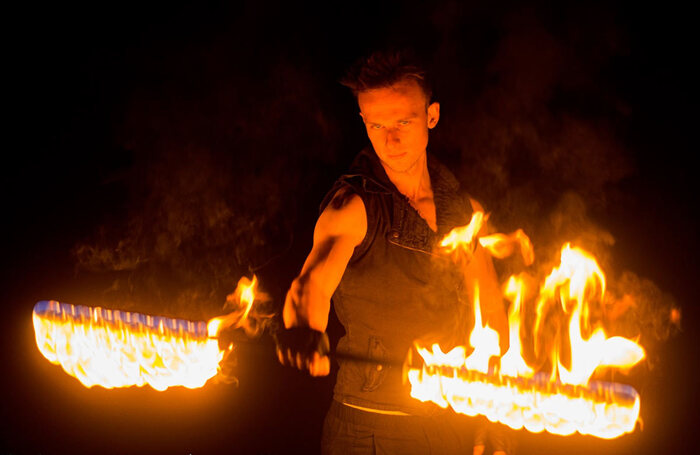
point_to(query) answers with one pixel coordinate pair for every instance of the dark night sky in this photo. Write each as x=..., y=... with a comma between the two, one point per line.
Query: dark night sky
x=164, y=151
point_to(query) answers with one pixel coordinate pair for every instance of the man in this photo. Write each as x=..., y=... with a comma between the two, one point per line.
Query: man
x=374, y=254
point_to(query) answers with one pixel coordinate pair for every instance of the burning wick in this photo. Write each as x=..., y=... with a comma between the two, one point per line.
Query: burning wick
x=562, y=401
x=602, y=409
x=112, y=348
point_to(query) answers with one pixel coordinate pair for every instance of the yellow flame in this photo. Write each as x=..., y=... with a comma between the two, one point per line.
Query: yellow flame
x=116, y=352
x=580, y=283
x=502, y=245
x=248, y=295
x=122, y=349
x=242, y=302
x=463, y=237
x=512, y=363
x=483, y=339
x=562, y=401
x=603, y=410
x=214, y=327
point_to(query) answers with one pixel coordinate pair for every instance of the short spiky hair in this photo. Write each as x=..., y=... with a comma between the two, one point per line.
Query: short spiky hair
x=385, y=68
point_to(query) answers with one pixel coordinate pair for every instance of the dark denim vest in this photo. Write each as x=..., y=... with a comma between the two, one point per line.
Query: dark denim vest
x=396, y=289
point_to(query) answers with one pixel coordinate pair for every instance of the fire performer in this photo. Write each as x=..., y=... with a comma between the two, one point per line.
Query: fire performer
x=374, y=254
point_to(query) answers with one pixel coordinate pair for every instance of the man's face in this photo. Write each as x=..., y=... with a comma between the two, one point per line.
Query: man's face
x=397, y=120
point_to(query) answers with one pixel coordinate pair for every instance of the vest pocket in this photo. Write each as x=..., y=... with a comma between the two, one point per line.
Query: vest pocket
x=375, y=372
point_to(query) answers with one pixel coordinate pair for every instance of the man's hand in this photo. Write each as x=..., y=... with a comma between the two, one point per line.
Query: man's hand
x=305, y=349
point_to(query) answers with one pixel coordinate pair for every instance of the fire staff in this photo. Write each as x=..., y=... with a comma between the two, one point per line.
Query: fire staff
x=373, y=256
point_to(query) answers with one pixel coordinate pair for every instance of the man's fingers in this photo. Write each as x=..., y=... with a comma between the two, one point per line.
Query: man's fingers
x=305, y=349
x=280, y=357
x=320, y=365
x=317, y=365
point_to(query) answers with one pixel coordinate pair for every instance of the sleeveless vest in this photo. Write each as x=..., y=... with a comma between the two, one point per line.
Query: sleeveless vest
x=396, y=289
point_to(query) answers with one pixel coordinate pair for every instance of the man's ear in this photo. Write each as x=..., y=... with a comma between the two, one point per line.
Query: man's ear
x=363, y=117
x=433, y=114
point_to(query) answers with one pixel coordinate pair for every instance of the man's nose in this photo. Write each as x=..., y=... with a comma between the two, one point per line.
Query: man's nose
x=392, y=137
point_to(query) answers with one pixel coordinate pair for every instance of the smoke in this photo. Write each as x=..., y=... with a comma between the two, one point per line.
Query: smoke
x=249, y=309
x=527, y=131
x=230, y=145
x=534, y=128
x=636, y=307
x=222, y=158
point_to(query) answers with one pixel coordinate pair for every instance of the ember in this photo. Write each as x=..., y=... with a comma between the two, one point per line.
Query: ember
x=561, y=401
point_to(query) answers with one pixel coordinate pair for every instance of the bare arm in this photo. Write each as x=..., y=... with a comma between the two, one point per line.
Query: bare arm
x=340, y=228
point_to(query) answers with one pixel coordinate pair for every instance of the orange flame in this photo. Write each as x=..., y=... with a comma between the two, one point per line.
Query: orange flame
x=499, y=245
x=563, y=401
x=579, y=282
x=121, y=349
x=502, y=245
x=483, y=339
x=462, y=238
x=512, y=363
x=113, y=348
x=242, y=301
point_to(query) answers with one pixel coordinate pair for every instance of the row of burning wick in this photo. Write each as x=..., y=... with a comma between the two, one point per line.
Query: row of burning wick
x=120, y=349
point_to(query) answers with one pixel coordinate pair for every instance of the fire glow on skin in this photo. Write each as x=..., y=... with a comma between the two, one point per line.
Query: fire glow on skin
x=397, y=120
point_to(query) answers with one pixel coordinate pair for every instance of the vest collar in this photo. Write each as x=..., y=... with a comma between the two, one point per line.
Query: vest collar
x=375, y=179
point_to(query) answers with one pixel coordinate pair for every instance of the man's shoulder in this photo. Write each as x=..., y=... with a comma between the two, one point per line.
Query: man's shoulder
x=357, y=181
x=366, y=173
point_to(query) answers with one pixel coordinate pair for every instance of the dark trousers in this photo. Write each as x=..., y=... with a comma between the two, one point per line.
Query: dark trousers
x=348, y=431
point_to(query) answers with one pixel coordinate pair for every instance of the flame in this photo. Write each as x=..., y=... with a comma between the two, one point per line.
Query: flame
x=483, y=339
x=579, y=282
x=512, y=363
x=499, y=245
x=242, y=301
x=121, y=349
x=561, y=401
x=600, y=409
x=113, y=348
x=462, y=238
x=502, y=245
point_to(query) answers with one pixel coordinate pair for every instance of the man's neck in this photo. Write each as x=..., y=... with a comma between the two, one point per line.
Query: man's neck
x=414, y=183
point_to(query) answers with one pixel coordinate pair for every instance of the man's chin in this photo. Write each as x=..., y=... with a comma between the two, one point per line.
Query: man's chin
x=399, y=165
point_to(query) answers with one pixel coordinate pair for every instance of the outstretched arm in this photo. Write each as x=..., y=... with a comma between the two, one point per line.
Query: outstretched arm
x=340, y=228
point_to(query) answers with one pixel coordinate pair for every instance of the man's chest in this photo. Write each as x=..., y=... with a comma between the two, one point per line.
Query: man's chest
x=425, y=207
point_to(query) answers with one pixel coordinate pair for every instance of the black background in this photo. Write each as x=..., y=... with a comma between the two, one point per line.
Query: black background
x=111, y=102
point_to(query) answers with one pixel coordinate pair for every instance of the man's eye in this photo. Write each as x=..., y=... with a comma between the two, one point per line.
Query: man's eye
x=377, y=127
x=404, y=122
